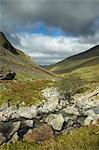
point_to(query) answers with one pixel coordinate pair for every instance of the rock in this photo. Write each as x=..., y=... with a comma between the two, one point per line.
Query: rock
x=95, y=109
x=87, y=99
x=71, y=111
x=28, y=123
x=9, y=113
x=15, y=126
x=52, y=96
x=8, y=76
x=89, y=113
x=56, y=121
x=39, y=134
x=51, y=92
x=27, y=112
x=73, y=118
x=88, y=121
x=14, y=138
x=49, y=106
x=9, y=128
x=66, y=119
x=2, y=138
x=70, y=124
x=80, y=120
x=62, y=104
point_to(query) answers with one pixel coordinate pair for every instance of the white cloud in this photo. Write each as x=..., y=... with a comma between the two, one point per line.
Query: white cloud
x=47, y=49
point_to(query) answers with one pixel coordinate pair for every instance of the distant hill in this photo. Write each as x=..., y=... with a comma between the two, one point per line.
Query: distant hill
x=16, y=61
x=86, y=64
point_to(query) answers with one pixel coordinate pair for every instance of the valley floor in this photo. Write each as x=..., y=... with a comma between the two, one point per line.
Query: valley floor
x=85, y=96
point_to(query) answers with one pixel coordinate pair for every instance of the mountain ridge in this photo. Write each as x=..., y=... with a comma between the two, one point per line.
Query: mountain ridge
x=86, y=61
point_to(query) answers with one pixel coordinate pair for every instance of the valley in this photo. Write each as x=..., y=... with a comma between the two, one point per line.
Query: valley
x=52, y=108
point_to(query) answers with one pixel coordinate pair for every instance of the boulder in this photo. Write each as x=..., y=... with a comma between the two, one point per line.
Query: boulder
x=27, y=112
x=56, y=121
x=9, y=128
x=8, y=76
x=49, y=106
x=9, y=113
x=71, y=110
x=42, y=133
x=14, y=127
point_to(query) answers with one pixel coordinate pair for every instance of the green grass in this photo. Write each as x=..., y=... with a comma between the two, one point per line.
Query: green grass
x=26, y=91
x=86, y=65
x=85, y=138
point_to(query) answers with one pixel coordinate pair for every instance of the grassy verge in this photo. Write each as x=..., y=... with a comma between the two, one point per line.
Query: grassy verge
x=85, y=138
x=26, y=91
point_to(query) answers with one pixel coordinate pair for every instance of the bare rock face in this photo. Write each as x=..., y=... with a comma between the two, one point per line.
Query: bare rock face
x=40, y=134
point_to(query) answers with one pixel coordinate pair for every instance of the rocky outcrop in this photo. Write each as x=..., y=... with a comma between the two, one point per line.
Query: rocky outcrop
x=7, y=76
x=55, y=116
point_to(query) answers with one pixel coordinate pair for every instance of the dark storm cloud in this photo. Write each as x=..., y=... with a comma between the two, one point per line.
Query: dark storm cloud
x=77, y=16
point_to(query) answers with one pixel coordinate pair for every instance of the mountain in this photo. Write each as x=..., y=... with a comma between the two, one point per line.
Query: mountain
x=16, y=61
x=86, y=64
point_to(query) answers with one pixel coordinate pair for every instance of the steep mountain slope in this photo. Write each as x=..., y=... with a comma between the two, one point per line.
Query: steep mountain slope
x=16, y=61
x=86, y=64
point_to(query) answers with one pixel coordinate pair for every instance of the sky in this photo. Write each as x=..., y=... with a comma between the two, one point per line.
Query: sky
x=50, y=30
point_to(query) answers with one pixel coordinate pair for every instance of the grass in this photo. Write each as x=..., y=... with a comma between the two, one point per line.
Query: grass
x=73, y=84
x=26, y=91
x=85, y=138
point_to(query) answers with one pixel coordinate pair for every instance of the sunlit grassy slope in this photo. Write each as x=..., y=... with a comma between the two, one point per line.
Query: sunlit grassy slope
x=85, y=64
